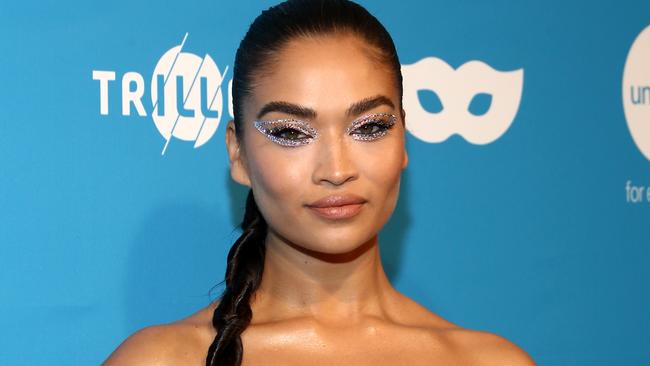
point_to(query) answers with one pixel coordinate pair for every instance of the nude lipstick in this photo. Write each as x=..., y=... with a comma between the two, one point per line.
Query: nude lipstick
x=337, y=207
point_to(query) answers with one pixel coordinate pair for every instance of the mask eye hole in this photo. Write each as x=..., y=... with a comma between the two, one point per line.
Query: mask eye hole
x=430, y=101
x=480, y=104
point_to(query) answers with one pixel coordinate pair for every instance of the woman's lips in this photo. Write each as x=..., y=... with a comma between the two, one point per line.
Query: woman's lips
x=337, y=212
x=337, y=206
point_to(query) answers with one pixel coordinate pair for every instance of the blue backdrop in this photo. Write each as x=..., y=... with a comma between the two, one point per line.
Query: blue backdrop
x=537, y=230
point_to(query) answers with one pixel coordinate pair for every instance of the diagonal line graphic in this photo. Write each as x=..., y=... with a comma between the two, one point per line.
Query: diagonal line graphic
x=170, y=71
x=223, y=76
x=178, y=116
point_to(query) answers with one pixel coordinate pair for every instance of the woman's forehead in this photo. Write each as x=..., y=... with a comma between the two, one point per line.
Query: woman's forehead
x=323, y=73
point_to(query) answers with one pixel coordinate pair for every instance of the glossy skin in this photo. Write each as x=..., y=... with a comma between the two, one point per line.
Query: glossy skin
x=324, y=297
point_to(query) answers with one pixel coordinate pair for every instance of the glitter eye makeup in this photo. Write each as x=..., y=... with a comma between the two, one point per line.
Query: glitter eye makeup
x=287, y=131
x=372, y=126
x=291, y=132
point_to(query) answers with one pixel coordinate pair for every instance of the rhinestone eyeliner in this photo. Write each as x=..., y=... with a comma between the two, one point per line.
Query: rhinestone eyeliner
x=270, y=128
x=384, y=120
x=273, y=128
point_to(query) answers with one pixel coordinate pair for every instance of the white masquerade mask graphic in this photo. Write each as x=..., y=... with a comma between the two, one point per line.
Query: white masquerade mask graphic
x=456, y=89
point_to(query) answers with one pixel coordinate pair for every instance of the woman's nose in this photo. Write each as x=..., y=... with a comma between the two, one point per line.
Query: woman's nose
x=335, y=164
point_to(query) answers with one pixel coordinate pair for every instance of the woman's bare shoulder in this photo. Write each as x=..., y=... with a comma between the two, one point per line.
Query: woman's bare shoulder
x=184, y=342
x=487, y=349
x=468, y=346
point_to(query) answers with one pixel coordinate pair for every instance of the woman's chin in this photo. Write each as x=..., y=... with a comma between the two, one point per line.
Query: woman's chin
x=336, y=250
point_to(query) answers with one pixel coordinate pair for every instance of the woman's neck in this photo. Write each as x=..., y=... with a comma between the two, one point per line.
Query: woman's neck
x=331, y=288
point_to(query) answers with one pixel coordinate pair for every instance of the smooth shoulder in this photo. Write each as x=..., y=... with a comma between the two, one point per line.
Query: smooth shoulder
x=184, y=342
x=461, y=345
x=487, y=349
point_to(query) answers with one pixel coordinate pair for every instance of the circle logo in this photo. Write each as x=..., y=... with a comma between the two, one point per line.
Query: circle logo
x=191, y=103
x=636, y=91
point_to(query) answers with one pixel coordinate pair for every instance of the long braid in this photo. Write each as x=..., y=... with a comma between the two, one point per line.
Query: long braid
x=243, y=277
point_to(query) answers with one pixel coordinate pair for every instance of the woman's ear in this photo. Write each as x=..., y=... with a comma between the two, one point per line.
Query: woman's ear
x=406, y=159
x=238, y=168
x=406, y=155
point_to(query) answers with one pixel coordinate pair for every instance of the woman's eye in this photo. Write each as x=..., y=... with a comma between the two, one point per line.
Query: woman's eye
x=288, y=133
x=372, y=127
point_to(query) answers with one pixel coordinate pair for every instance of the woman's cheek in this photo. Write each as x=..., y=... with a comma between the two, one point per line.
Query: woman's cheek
x=383, y=175
x=279, y=174
x=383, y=165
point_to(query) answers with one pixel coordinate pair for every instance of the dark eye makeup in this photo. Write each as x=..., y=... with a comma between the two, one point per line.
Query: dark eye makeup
x=291, y=132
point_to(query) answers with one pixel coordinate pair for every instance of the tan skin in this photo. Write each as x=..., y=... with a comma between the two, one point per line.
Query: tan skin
x=324, y=297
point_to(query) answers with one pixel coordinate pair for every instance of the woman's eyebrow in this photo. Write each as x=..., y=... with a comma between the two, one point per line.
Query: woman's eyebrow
x=355, y=109
x=288, y=108
x=368, y=104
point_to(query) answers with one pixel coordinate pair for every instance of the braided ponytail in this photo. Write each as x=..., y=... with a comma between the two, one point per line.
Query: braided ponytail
x=243, y=277
x=268, y=33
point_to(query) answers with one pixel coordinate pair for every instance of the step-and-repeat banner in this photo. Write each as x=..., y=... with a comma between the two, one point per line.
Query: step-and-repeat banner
x=525, y=209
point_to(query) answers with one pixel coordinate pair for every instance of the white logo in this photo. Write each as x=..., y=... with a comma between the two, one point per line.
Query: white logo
x=636, y=91
x=185, y=95
x=456, y=89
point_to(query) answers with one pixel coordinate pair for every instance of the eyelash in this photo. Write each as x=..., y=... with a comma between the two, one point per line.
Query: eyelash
x=273, y=129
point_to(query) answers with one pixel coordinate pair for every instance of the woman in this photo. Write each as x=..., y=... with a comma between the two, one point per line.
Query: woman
x=318, y=136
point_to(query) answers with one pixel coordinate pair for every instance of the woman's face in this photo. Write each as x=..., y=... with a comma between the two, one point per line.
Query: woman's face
x=322, y=107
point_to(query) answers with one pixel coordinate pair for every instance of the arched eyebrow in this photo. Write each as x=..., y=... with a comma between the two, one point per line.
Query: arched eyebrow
x=367, y=104
x=288, y=108
x=355, y=109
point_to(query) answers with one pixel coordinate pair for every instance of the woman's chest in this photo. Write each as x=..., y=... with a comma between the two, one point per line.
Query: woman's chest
x=372, y=346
